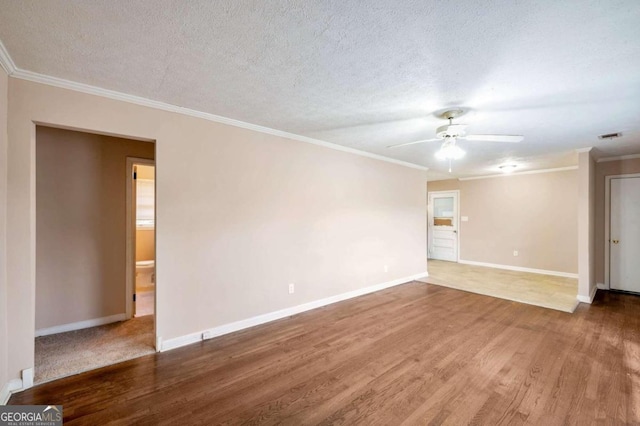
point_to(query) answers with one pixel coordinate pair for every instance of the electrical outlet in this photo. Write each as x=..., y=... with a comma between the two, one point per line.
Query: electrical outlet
x=515, y=252
x=292, y=288
x=206, y=335
x=386, y=268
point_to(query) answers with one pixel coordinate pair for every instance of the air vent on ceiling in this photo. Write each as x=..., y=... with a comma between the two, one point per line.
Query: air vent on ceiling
x=610, y=135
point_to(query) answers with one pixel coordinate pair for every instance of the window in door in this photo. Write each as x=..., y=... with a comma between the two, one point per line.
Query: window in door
x=443, y=211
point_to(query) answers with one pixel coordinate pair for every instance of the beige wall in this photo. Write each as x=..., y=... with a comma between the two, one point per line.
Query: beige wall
x=145, y=244
x=4, y=343
x=240, y=214
x=586, y=224
x=535, y=214
x=607, y=168
x=80, y=222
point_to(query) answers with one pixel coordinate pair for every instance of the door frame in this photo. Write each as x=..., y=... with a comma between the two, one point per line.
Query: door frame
x=456, y=218
x=607, y=223
x=130, y=251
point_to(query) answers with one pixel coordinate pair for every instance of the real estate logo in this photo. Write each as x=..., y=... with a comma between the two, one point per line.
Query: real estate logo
x=31, y=415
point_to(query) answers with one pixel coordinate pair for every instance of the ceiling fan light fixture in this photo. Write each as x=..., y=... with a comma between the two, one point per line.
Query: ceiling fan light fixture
x=450, y=151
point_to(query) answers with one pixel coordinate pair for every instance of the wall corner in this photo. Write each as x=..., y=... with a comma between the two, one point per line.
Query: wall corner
x=586, y=226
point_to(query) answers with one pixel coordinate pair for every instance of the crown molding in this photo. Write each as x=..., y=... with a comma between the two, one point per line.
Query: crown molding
x=10, y=67
x=526, y=172
x=618, y=158
x=138, y=100
x=5, y=60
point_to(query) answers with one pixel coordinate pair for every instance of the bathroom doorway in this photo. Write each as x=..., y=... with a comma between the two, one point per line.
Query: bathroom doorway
x=141, y=276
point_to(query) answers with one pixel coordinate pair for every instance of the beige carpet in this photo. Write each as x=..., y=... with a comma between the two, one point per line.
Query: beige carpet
x=65, y=354
x=546, y=291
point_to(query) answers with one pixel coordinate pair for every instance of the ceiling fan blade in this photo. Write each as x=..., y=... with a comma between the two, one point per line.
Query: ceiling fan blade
x=494, y=138
x=414, y=142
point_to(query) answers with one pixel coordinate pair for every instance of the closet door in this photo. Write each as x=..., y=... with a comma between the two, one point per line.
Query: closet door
x=624, y=235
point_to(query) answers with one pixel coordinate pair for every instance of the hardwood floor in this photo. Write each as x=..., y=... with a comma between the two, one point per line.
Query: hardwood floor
x=412, y=354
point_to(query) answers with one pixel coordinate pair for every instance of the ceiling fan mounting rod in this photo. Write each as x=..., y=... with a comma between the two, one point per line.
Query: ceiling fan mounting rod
x=451, y=114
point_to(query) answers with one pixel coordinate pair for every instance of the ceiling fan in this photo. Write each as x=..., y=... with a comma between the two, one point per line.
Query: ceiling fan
x=457, y=131
x=450, y=133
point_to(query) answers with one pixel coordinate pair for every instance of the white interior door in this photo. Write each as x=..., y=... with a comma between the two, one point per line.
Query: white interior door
x=443, y=226
x=624, y=234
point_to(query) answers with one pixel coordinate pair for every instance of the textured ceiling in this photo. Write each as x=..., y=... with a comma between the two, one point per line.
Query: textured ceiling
x=364, y=74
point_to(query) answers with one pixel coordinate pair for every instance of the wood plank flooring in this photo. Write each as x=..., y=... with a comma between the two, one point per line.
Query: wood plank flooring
x=547, y=291
x=412, y=354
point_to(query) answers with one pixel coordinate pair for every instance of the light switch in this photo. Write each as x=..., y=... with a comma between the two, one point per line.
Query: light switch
x=464, y=218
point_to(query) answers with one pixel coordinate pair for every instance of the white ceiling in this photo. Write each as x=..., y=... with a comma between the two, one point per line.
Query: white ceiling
x=364, y=74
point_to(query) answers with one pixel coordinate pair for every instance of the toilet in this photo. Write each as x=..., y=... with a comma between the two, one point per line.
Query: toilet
x=145, y=272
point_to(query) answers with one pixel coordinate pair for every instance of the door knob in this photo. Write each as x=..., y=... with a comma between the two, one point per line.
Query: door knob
x=615, y=241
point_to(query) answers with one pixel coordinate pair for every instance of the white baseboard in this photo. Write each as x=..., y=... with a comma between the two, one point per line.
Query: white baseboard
x=588, y=299
x=583, y=299
x=9, y=388
x=283, y=313
x=178, y=342
x=27, y=378
x=80, y=325
x=423, y=278
x=5, y=394
x=602, y=286
x=520, y=269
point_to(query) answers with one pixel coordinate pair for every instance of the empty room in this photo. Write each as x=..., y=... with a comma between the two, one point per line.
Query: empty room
x=282, y=212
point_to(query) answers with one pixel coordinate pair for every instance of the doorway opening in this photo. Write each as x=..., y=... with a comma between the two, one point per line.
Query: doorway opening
x=449, y=269
x=82, y=319
x=141, y=237
x=443, y=225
